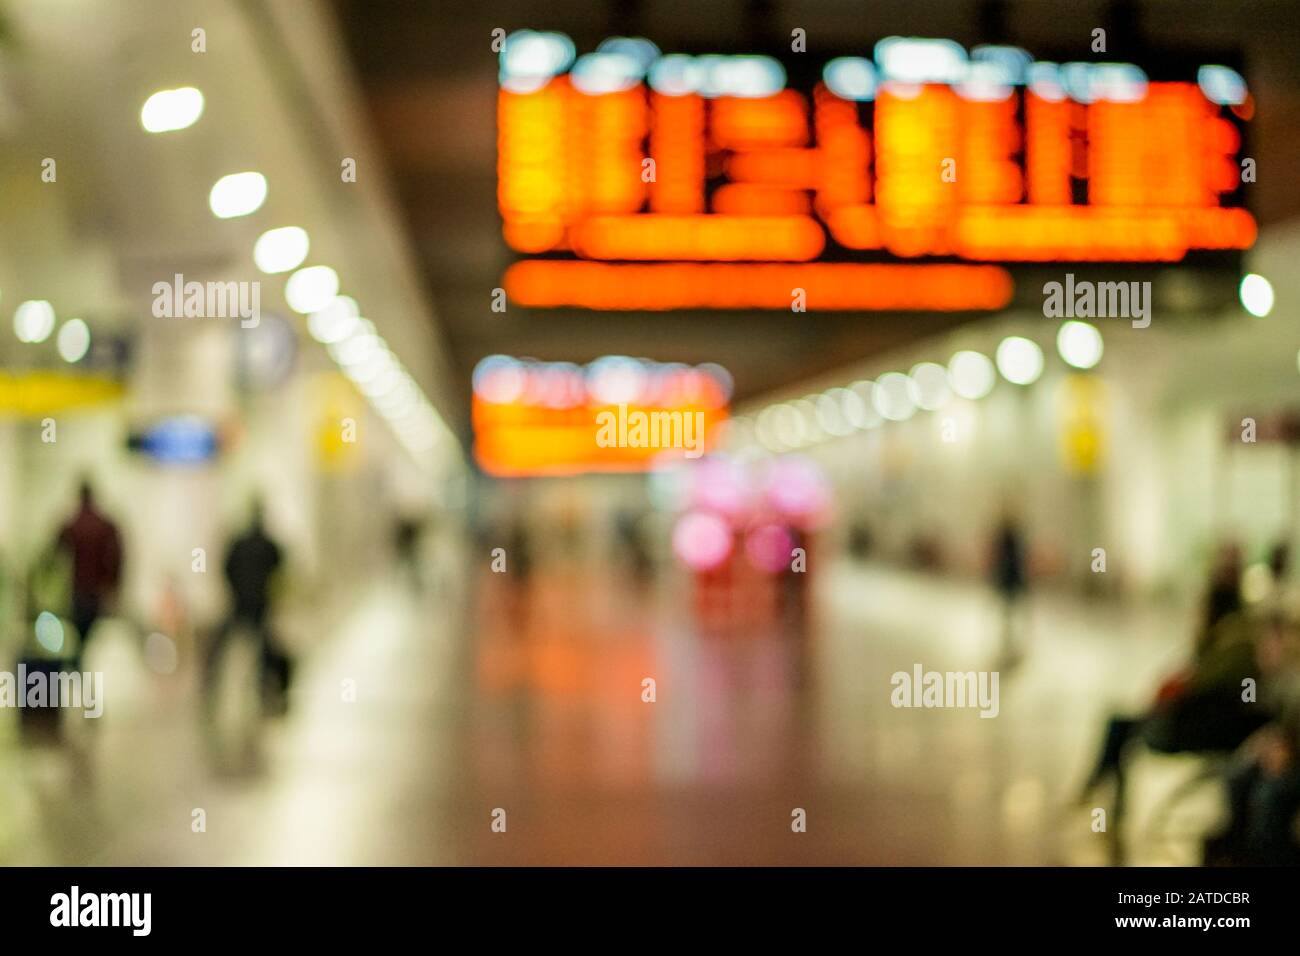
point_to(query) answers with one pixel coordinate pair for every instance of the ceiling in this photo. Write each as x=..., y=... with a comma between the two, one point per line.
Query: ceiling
x=408, y=89
x=428, y=76
x=129, y=208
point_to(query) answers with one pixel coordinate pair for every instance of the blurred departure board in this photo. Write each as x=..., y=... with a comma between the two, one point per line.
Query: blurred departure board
x=616, y=414
x=916, y=177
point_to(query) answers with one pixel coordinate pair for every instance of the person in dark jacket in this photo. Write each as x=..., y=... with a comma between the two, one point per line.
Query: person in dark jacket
x=1010, y=579
x=1263, y=778
x=95, y=546
x=250, y=563
x=1203, y=709
x=1263, y=784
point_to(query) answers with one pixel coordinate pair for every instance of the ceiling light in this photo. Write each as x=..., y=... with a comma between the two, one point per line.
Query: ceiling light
x=237, y=195
x=279, y=250
x=169, y=110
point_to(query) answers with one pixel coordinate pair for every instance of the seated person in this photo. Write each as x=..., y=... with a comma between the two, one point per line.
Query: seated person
x=1205, y=708
x=1264, y=800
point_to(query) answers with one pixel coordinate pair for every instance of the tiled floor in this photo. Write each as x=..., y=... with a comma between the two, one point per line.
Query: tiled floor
x=464, y=706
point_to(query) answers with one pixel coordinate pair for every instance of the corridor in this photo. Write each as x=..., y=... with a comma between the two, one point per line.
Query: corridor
x=455, y=715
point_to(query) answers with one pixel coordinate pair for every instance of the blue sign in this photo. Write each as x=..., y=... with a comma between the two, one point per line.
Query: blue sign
x=183, y=440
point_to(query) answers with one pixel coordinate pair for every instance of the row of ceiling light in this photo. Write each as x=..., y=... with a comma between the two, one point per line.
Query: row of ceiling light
x=34, y=319
x=334, y=320
x=34, y=322
x=840, y=411
x=929, y=386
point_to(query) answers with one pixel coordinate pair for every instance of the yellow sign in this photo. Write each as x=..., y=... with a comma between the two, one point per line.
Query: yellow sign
x=338, y=421
x=35, y=394
x=1083, y=431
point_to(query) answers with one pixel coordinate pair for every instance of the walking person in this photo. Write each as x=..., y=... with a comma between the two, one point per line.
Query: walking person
x=251, y=562
x=95, y=547
x=1011, y=581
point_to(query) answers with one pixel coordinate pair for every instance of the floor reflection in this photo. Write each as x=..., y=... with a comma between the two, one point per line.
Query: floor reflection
x=536, y=701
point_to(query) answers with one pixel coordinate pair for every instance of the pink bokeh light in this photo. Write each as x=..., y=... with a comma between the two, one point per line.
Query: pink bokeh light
x=702, y=541
x=768, y=547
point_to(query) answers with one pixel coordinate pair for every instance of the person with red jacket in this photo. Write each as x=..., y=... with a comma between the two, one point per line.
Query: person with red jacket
x=95, y=546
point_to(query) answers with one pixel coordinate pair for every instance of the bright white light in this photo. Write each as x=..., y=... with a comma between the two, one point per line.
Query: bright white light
x=49, y=632
x=615, y=379
x=530, y=53
x=379, y=362
x=788, y=426
x=1119, y=82
x=1019, y=360
x=1079, y=344
x=765, y=429
x=916, y=60
x=837, y=410
x=929, y=384
x=807, y=411
x=868, y=417
x=401, y=400
x=336, y=321
x=402, y=393
x=237, y=195
x=169, y=110
x=986, y=81
x=529, y=59
x=357, y=350
x=1111, y=82
x=970, y=374
x=715, y=75
x=311, y=289
x=499, y=379
x=74, y=340
x=33, y=321
x=638, y=48
x=597, y=73
x=400, y=412
x=1077, y=78
x=676, y=75
x=1045, y=81
x=395, y=412
x=851, y=78
x=1256, y=295
x=1013, y=61
x=279, y=250
x=893, y=397
x=384, y=383
x=1222, y=85
x=829, y=418
x=751, y=76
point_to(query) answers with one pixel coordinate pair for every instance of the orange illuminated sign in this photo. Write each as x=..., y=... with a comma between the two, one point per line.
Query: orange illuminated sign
x=679, y=182
x=617, y=414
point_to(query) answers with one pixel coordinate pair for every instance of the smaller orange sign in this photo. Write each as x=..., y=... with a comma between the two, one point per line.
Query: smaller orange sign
x=617, y=414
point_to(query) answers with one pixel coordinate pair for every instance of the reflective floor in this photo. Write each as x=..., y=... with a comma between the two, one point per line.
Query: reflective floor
x=421, y=708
